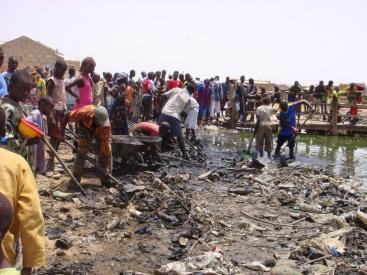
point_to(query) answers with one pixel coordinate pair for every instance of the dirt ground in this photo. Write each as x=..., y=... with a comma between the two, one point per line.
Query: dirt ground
x=183, y=210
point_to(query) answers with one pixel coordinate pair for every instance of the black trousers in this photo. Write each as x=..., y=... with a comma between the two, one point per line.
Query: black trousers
x=281, y=140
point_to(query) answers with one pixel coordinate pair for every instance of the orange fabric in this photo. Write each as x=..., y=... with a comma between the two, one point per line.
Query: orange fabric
x=103, y=135
x=129, y=96
x=84, y=115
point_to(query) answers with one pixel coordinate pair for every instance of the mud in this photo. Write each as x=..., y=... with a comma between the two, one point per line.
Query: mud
x=182, y=210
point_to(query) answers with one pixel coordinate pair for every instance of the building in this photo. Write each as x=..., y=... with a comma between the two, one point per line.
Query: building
x=32, y=54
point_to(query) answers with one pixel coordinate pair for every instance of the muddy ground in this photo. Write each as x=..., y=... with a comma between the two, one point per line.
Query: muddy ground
x=183, y=210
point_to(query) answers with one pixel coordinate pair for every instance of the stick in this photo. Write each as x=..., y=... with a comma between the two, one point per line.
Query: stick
x=192, y=247
x=297, y=221
x=273, y=224
x=63, y=165
x=318, y=259
x=71, y=132
x=72, y=137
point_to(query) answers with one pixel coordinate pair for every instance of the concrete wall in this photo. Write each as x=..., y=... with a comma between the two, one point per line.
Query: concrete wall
x=31, y=54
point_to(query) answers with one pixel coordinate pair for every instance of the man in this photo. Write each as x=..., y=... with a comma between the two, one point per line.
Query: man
x=143, y=77
x=181, y=77
x=175, y=82
x=69, y=99
x=320, y=93
x=19, y=187
x=294, y=91
x=164, y=73
x=132, y=75
x=252, y=92
x=149, y=90
x=329, y=91
x=3, y=85
x=118, y=113
x=106, y=89
x=216, y=97
x=151, y=129
x=225, y=90
x=171, y=112
x=12, y=66
x=93, y=123
x=264, y=137
x=20, y=86
x=276, y=95
x=287, y=123
x=204, y=93
x=97, y=89
x=160, y=85
x=232, y=98
x=242, y=96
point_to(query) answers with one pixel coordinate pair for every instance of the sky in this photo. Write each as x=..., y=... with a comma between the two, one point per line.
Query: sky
x=276, y=40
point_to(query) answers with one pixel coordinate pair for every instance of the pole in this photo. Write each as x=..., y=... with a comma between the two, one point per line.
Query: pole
x=334, y=117
x=63, y=165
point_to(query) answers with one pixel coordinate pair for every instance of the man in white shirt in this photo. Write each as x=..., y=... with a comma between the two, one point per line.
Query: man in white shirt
x=264, y=137
x=171, y=112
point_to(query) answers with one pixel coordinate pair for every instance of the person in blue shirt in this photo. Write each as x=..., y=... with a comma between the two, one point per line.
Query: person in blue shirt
x=12, y=66
x=287, y=123
x=3, y=85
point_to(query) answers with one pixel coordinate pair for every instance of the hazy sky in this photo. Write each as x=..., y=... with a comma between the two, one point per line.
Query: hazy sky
x=277, y=40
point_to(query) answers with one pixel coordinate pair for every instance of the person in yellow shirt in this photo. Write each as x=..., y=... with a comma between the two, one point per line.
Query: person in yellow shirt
x=41, y=86
x=6, y=216
x=19, y=187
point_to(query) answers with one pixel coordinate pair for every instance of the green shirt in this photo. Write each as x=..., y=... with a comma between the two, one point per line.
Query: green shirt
x=14, y=112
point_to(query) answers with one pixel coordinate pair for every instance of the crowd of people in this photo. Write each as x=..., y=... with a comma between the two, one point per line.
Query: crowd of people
x=96, y=107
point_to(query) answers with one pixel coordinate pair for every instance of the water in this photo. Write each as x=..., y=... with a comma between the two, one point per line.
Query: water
x=344, y=156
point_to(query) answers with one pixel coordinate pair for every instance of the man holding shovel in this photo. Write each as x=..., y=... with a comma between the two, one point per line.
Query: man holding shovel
x=264, y=137
x=94, y=123
x=287, y=123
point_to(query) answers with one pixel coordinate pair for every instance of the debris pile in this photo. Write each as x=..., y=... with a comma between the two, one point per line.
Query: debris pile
x=228, y=218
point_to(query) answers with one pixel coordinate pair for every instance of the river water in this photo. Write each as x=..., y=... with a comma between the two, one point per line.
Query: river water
x=343, y=155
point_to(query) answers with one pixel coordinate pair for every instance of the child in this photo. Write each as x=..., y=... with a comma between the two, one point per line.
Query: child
x=84, y=83
x=6, y=217
x=191, y=122
x=45, y=106
x=20, y=86
x=288, y=130
x=56, y=90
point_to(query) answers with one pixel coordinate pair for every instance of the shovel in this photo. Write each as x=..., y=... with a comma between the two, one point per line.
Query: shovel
x=248, y=151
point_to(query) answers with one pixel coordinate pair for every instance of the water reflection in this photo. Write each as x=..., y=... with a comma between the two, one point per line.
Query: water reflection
x=342, y=155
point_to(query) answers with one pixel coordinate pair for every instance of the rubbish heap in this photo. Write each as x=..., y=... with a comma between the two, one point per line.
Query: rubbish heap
x=227, y=218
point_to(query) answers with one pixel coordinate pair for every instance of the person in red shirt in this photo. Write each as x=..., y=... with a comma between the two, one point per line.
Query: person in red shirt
x=150, y=129
x=174, y=83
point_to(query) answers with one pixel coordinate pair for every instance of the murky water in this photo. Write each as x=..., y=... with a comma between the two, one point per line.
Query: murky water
x=344, y=156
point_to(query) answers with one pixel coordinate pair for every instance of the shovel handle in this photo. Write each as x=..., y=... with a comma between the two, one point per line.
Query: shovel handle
x=63, y=165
